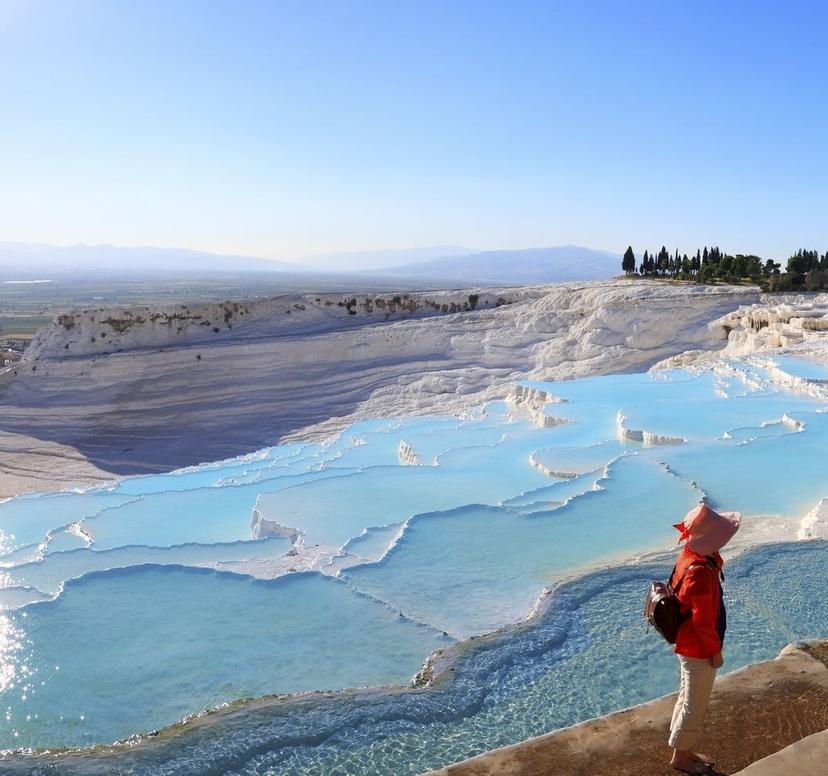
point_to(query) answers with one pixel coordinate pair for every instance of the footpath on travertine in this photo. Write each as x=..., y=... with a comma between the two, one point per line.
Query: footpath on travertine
x=807, y=757
x=764, y=720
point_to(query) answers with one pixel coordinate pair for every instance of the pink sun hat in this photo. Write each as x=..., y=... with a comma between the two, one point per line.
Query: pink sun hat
x=707, y=531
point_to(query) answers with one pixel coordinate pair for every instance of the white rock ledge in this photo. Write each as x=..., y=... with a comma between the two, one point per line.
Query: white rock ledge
x=647, y=438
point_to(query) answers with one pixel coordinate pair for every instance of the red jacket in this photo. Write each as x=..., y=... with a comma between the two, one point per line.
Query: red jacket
x=702, y=633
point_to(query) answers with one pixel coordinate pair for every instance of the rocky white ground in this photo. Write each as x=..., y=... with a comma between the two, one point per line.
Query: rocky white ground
x=104, y=393
x=775, y=323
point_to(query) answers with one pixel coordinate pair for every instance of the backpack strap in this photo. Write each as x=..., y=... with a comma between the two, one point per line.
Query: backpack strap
x=708, y=562
x=694, y=564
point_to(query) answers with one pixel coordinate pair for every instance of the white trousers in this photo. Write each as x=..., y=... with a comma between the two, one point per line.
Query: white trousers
x=696, y=684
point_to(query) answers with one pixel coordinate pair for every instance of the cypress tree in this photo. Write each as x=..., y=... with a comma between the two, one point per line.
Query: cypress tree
x=628, y=262
x=663, y=260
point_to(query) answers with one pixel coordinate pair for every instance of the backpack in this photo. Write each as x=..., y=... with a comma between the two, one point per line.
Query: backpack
x=661, y=605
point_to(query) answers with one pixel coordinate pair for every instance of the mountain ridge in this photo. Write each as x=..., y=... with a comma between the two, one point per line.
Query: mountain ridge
x=108, y=257
x=563, y=263
x=556, y=264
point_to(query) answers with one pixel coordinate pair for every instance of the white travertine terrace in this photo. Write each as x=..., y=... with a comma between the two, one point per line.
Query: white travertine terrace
x=647, y=438
x=162, y=390
x=778, y=321
x=558, y=474
x=406, y=455
x=242, y=386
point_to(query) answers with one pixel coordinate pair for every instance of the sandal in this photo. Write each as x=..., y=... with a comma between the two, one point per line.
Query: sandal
x=696, y=769
x=704, y=758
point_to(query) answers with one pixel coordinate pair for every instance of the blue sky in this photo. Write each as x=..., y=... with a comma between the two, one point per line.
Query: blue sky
x=290, y=128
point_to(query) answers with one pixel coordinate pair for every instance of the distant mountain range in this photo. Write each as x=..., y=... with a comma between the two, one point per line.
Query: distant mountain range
x=534, y=265
x=433, y=265
x=110, y=258
x=367, y=261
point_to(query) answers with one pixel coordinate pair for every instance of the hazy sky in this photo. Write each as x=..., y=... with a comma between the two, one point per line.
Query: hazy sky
x=289, y=128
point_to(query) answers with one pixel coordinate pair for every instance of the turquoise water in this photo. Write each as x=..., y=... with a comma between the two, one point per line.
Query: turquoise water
x=777, y=474
x=573, y=461
x=470, y=570
x=125, y=609
x=189, y=639
x=802, y=367
x=588, y=654
x=203, y=515
x=28, y=521
x=49, y=574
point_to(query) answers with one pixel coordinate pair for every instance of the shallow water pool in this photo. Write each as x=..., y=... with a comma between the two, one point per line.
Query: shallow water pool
x=327, y=566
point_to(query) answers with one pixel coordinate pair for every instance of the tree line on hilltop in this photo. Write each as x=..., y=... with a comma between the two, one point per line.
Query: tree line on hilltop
x=805, y=270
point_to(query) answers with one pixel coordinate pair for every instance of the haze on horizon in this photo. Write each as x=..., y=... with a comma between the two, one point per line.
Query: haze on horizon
x=302, y=128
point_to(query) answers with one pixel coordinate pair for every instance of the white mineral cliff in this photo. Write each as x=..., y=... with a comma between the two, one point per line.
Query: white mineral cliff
x=162, y=389
x=102, y=331
x=787, y=321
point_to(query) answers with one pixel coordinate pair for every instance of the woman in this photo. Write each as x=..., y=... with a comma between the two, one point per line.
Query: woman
x=698, y=576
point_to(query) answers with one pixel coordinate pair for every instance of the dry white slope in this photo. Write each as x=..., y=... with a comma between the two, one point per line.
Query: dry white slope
x=168, y=391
